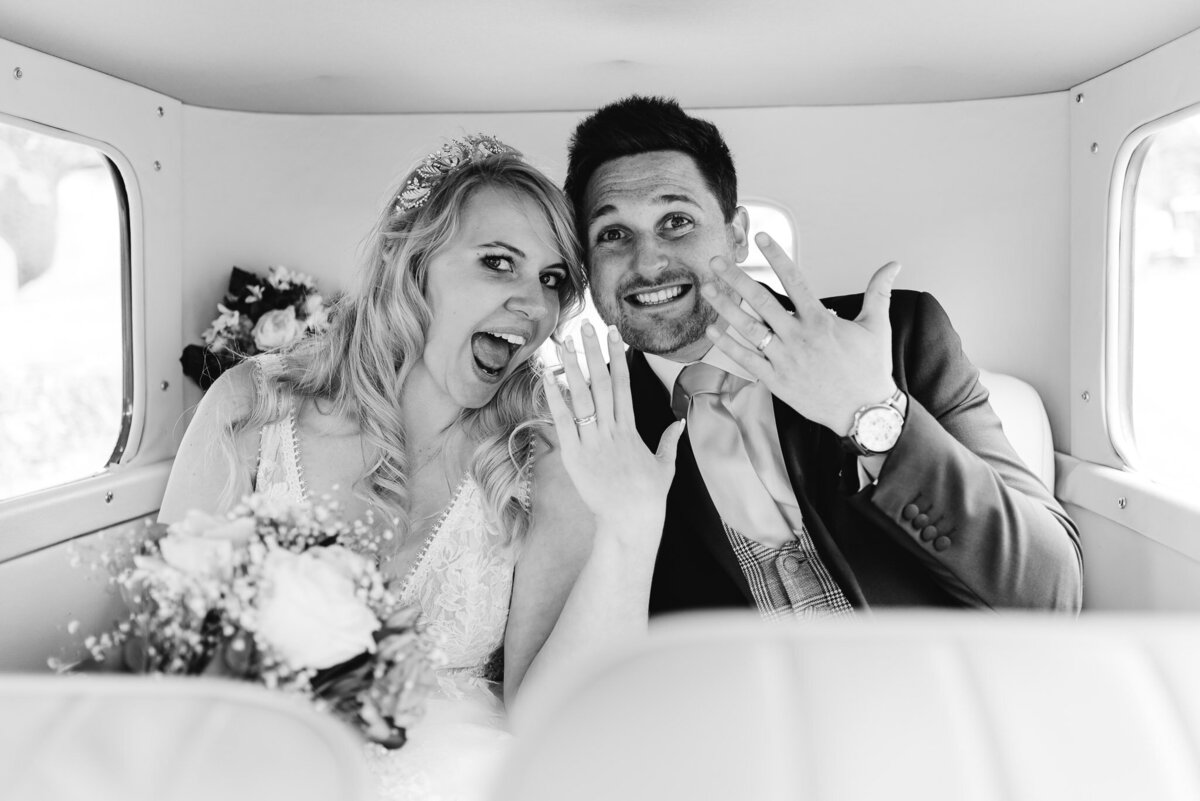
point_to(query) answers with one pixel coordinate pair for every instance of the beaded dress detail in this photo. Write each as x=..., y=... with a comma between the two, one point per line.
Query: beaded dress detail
x=462, y=582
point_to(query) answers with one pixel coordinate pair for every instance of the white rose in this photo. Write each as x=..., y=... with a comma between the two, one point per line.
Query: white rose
x=276, y=328
x=345, y=561
x=202, y=545
x=310, y=616
x=316, y=316
x=199, y=524
x=197, y=556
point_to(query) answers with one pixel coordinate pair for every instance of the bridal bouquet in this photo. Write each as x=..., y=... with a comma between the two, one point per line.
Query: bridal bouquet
x=257, y=314
x=268, y=594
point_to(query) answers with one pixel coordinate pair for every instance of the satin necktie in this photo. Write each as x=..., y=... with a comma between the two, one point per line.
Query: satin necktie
x=732, y=482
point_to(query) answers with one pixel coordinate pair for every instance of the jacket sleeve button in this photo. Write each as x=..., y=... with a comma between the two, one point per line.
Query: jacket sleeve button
x=941, y=543
x=928, y=533
x=910, y=511
x=920, y=521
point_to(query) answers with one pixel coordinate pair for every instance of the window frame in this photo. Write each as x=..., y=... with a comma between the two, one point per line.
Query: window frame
x=128, y=409
x=784, y=211
x=1118, y=351
x=140, y=133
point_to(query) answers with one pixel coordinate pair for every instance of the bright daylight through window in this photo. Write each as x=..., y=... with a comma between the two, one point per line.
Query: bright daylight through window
x=61, y=318
x=1163, y=286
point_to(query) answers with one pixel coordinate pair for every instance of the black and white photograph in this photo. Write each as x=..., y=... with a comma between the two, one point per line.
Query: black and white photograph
x=576, y=401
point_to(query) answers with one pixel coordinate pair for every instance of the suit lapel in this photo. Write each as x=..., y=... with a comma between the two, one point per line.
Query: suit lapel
x=690, y=510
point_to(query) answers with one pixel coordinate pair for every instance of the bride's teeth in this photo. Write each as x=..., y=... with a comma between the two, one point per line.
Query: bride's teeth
x=512, y=339
x=658, y=296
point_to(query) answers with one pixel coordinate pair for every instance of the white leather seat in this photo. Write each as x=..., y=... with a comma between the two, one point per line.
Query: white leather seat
x=1020, y=409
x=139, y=738
x=929, y=707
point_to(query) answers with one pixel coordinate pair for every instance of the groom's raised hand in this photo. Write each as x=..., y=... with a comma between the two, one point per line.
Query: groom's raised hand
x=824, y=367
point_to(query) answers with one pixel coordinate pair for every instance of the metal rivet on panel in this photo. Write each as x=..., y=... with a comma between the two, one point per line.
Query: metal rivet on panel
x=18, y=73
x=1087, y=396
x=1079, y=97
x=159, y=111
x=157, y=165
x=1095, y=147
x=1121, y=502
x=108, y=496
x=164, y=385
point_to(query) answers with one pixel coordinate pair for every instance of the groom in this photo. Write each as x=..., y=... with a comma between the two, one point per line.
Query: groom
x=840, y=453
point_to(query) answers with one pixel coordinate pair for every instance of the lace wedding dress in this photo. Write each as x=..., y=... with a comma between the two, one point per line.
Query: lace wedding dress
x=462, y=581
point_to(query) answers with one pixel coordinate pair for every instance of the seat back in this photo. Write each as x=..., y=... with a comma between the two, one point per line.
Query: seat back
x=1020, y=409
x=140, y=738
x=927, y=707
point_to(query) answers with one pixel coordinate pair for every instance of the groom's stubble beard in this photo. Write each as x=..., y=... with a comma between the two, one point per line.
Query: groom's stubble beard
x=650, y=335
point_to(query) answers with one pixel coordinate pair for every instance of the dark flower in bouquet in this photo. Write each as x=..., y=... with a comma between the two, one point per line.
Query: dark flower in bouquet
x=258, y=314
x=270, y=594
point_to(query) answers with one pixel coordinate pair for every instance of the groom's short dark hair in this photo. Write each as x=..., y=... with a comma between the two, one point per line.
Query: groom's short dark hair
x=638, y=124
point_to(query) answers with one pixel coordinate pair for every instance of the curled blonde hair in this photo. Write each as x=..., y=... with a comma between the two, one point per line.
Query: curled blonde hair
x=377, y=333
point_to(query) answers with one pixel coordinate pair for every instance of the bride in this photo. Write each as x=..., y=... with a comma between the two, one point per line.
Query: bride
x=418, y=411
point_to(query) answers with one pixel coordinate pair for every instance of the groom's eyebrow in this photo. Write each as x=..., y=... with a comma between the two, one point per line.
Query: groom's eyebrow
x=505, y=245
x=662, y=200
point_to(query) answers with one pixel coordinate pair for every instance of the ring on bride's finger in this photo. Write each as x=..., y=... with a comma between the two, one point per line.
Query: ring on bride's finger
x=585, y=421
x=766, y=340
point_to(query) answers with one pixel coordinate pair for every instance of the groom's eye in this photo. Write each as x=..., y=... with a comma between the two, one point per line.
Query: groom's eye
x=609, y=235
x=674, y=223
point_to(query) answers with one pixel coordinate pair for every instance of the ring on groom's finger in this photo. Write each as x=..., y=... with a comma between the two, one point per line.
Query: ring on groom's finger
x=585, y=421
x=766, y=340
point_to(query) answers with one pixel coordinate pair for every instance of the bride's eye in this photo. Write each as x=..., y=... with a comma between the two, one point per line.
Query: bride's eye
x=503, y=264
x=554, y=279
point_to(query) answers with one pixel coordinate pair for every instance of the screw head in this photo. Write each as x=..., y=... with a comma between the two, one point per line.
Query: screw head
x=159, y=111
x=1122, y=502
x=1087, y=396
x=157, y=166
x=1079, y=97
x=164, y=385
x=18, y=73
x=1095, y=147
x=108, y=496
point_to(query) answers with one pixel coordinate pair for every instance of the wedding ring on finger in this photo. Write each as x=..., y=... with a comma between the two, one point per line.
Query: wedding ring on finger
x=766, y=340
x=585, y=421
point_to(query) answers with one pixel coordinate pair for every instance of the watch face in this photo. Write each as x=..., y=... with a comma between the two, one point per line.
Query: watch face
x=879, y=428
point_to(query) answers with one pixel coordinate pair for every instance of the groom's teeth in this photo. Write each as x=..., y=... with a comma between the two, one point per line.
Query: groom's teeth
x=658, y=296
x=512, y=339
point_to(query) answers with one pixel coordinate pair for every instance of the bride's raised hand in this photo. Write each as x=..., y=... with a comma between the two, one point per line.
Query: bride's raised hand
x=616, y=475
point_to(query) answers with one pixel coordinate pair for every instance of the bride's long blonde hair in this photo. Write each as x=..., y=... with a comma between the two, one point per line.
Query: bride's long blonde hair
x=360, y=365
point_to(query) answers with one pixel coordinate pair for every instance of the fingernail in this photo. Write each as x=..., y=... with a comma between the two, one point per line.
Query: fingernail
x=712, y=332
x=719, y=264
x=569, y=344
x=613, y=334
x=708, y=290
x=761, y=239
x=588, y=331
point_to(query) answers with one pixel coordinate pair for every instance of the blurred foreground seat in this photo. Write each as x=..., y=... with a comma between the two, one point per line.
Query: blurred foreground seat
x=936, y=707
x=138, y=738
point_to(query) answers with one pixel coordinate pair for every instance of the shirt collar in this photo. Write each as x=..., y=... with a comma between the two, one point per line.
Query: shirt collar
x=669, y=369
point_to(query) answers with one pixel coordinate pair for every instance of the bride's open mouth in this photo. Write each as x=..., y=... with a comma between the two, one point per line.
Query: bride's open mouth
x=494, y=351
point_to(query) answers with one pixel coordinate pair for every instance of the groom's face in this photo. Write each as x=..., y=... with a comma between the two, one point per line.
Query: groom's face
x=653, y=225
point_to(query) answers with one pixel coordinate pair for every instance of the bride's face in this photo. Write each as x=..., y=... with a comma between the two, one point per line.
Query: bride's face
x=494, y=294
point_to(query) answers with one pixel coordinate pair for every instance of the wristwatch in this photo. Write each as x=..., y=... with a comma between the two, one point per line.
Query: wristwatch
x=876, y=427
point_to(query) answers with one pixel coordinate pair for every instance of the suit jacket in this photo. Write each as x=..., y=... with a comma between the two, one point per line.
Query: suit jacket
x=955, y=518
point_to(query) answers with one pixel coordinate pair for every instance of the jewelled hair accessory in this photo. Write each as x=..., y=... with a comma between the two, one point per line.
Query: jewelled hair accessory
x=437, y=165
